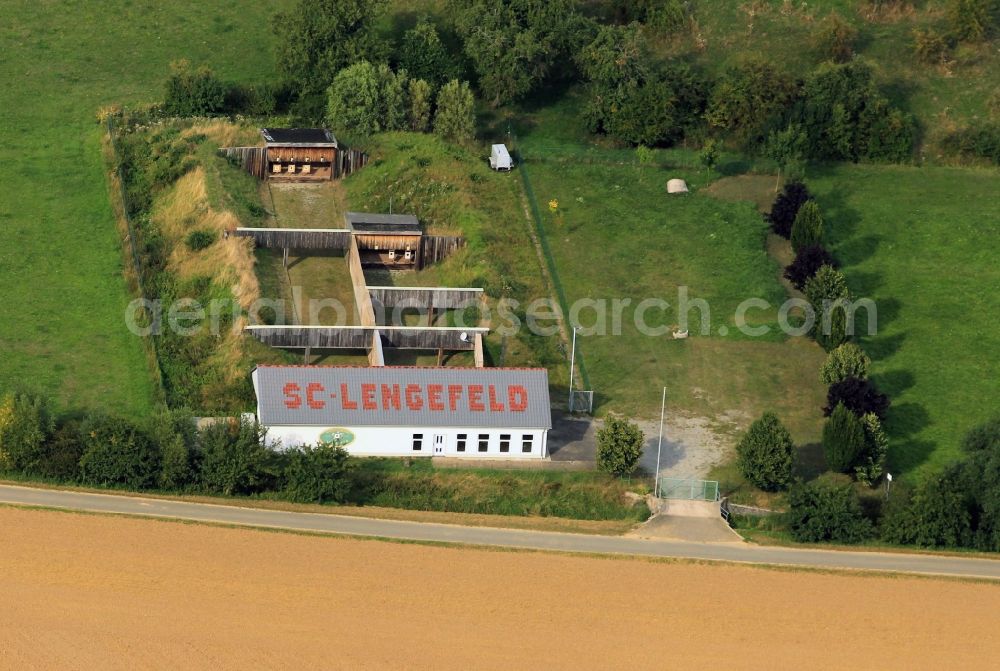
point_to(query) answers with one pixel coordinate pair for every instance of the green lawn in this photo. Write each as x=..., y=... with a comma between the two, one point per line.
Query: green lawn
x=61, y=283
x=923, y=244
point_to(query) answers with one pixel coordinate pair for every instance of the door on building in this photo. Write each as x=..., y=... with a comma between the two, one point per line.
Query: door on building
x=438, y=443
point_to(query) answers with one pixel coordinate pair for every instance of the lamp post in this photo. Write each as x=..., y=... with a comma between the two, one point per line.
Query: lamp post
x=572, y=365
x=659, y=444
x=888, y=484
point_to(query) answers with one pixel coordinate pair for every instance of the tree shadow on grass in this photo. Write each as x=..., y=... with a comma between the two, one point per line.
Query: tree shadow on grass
x=857, y=250
x=881, y=348
x=810, y=462
x=894, y=382
x=903, y=421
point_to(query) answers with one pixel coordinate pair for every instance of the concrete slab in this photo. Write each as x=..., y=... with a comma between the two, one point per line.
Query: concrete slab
x=695, y=529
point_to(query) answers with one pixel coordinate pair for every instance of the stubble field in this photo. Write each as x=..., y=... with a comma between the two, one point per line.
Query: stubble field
x=85, y=591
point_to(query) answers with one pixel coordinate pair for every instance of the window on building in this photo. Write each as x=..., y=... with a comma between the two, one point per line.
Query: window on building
x=460, y=446
x=505, y=442
x=418, y=442
x=484, y=442
x=526, y=442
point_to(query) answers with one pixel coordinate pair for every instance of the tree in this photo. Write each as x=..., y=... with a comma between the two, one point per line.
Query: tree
x=193, y=91
x=785, y=147
x=234, y=458
x=834, y=38
x=786, y=206
x=748, y=97
x=859, y=396
x=455, y=118
x=827, y=293
x=846, y=361
x=843, y=440
x=807, y=262
x=175, y=435
x=61, y=455
x=318, y=38
x=872, y=462
x=764, y=454
x=514, y=45
x=826, y=511
x=318, y=474
x=935, y=514
x=26, y=423
x=971, y=20
x=420, y=95
x=619, y=445
x=366, y=98
x=807, y=230
x=981, y=468
x=117, y=452
x=424, y=56
x=828, y=284
x=709, y=154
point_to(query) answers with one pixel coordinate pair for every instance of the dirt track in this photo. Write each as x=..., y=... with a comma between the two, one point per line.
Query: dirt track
x=83, y=591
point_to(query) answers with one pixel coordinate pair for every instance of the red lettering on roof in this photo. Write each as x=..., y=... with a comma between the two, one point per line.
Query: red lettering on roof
x=454, y=393
x=368, y=397
x=517, y=397
x=345, y=400
x=390, y=397
x=434, y=392
x=413, y=399
x=476, y=398
x=311, y=390
x=494, y=405
x=293, y=401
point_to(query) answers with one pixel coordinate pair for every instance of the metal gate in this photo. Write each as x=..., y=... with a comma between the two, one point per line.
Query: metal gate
x=581, y=401
x=689, y=489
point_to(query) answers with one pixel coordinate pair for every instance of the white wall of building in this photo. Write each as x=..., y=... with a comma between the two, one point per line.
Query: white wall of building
x=386, y=441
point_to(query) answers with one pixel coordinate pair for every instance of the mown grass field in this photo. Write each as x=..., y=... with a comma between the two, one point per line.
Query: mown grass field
x=61, y=284
x=923, y=244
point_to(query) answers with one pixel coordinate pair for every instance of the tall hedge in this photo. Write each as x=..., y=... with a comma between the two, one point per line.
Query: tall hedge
x=843, y=440
x=807, y=229
x=117, y=452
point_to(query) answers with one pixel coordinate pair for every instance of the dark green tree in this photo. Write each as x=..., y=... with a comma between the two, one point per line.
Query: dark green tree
x=423, y=55
x=619, y=445
x=316, y=39
x=366, y=98
x=26, y=423
x=193, y=91
x=807, y=229
x=420, y=98
x=981, y=481
x=455, y=118
x=826, y=511
x=848, y=360
x=318, y=474
x=747, y=99
x=785, y=147
x=843, y=440
x=117, y=452
x=807, y=263
x=786, y=206
x=935, y=514
x=764, y=454
x=834, y=38
x=175, y=435
x=860, y=396
x=234, y=458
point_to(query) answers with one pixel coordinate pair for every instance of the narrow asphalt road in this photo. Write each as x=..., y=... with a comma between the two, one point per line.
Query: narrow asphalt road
x=511, y=538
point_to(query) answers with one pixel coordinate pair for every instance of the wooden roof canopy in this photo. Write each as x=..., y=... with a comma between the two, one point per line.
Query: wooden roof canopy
x=366, y=223
x=298, y=137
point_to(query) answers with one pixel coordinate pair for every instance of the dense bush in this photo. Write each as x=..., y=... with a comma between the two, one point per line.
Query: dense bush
x=859, y=396
x=193, y=91
x=748, y=98
x=930, y=46
x=175, y=435
x=971, y=20
x=764, y=454
x=807, y=262
x=981, y=140
x=234, y=458
x=365, y=98
x=807, y=229
x=423, y=55
x=619, y=446
x=669, y=16
x=934, y=514
x=834, y=38
x=846, y=361
x=786, y=207
x=455, y=118
x=843, y=440
x=844, y=117
x=981, y=480
x=116, y=452
x=317, y=474
x=60, y=459
x=872, y=463
x=826, y=511
x=199, y=240
x=26, y=423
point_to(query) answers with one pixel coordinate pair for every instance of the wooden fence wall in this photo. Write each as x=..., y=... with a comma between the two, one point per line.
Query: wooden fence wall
x=440, y=298
x=361, y=296
x=346, y=161
x=360, y=337
x=438, y=247
x=297, y=238
x=252, y=159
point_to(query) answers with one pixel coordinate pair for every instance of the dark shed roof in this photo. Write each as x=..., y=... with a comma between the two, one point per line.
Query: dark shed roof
x=397, y=224
x=313, y=137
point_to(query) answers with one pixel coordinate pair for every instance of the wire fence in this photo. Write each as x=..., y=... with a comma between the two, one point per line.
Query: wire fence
x=547, y=253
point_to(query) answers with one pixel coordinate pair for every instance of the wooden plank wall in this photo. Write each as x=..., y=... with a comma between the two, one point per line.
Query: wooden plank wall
x=252, y=159
x=376, y=357
x=437, y=298
x=347, y=161
x=296, y=238
x=438, y=247
x=361, y=297
x=360, y=337
x=480, y=355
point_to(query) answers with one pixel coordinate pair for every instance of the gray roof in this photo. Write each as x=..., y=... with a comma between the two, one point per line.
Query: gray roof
x=515, y=398
x=368, y=222
x=308, y=137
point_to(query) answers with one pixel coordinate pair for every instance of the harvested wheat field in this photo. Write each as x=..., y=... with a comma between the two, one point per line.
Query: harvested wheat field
x=87, y=591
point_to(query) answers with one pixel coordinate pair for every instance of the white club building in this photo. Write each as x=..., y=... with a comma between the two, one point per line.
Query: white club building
x=396, y=411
